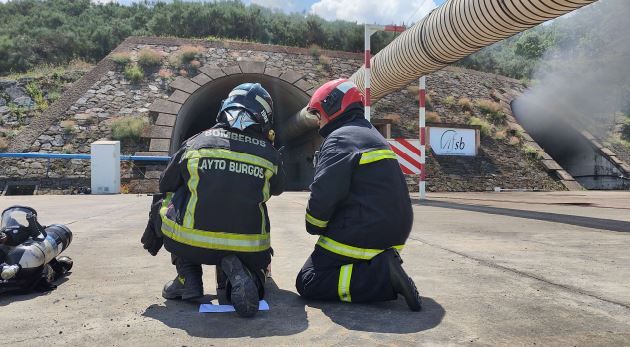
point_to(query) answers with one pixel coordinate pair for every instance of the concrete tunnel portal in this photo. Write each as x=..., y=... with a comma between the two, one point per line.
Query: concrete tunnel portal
x=200, y=110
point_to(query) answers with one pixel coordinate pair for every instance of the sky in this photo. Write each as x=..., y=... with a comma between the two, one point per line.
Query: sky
x=361, y=11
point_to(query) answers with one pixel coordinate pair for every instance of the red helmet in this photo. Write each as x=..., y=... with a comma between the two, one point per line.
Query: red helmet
x=333, y=99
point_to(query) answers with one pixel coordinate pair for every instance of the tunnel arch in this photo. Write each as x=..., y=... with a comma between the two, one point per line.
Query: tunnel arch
x=198, y=112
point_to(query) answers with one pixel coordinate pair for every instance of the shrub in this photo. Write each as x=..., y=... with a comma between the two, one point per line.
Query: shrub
x=4, y=144
x=53, y=96
x=165, y=74
x=32, y=89
x=68, y=126
x=486, y=128
x=195, y=64
x=188, y=53
x=625, y=130
x=433, y=117
x=449, y=101
x=325, y=61
x=121, y=59
x=128, y=127
x=465, y=103
x=315, y=50
x=148, y=57
x=134, y=73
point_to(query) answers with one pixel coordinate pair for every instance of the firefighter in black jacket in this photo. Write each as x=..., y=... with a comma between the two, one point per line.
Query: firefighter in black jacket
x=359, y=205
x=213, y=211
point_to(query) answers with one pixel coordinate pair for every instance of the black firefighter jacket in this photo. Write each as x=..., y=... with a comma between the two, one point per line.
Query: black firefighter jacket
x=359, y=203
x=217, y=185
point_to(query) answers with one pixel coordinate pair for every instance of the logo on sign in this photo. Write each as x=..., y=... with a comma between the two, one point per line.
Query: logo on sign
x=451, y=141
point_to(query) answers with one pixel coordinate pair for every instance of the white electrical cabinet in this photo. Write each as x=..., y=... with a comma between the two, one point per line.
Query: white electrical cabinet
x=105, y=164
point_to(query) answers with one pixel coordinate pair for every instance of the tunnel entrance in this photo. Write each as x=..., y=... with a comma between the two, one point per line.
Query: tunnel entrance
x=200, y=111
x=569, y=148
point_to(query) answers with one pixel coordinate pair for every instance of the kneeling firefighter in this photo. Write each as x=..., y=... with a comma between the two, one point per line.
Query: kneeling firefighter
x=213, y=210
x=359, y=205
x=28, y=251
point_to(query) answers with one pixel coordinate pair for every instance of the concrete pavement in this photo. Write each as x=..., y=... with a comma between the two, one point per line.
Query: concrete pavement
x=494, y=268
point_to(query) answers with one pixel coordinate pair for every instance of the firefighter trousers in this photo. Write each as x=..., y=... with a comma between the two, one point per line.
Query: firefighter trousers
x=324, y=277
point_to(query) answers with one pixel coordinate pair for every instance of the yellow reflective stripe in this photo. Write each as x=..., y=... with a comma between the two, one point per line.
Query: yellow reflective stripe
x=350, y=251
x=343, y=287
x=165, y=201
x=231, y=155
x=193, y=182
x=266, y=196
x=372, y=156
x=215, y=240
x=316, y=222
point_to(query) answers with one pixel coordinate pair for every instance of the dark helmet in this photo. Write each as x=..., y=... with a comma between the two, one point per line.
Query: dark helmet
x=247, y=105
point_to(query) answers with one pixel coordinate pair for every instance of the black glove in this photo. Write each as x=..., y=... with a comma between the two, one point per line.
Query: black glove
x=152, y=237
x=150, y=241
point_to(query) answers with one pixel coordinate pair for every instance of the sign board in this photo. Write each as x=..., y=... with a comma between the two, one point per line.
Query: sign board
x=453, y=141
x=408, y=154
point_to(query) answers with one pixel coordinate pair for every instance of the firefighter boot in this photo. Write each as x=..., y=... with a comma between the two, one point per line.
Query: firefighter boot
x=188, y=284
x=244, y=293
x=402, y=283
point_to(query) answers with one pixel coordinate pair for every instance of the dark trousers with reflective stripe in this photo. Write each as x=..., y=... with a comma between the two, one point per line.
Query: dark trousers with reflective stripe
x=326, y=278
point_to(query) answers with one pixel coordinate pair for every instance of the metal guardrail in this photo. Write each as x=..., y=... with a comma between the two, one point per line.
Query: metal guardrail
x=81, y=156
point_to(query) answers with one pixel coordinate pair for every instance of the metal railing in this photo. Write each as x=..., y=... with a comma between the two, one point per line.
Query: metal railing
x=81, y=156
x=50, y=156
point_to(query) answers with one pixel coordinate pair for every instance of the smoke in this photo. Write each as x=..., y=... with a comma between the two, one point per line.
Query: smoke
x=585, y=79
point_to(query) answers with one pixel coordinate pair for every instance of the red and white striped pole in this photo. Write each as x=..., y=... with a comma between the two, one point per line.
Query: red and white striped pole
x=422, y=185
x=369, y=30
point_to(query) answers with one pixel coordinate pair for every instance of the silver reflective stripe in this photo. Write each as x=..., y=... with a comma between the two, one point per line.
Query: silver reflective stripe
x=264, y=103
x=345, y=86
x=238, y=92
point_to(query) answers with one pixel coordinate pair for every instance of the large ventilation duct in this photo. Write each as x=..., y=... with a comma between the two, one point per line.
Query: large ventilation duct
x=449, y=33
x=453, y=31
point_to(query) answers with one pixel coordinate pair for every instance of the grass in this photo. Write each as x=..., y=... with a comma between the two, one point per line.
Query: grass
x=4, y=143
x=486, y=128
x=67, y=149
x=128, y=127
x=189, y=53
x=121, y=59
x=47, y=70
x=531, y=152
x=433, y=117
x=133, y=73
x=148, y=57
x=500, y=134
x=465, y=103
x=492, y=109
x=68, y=126
x=449, y=101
